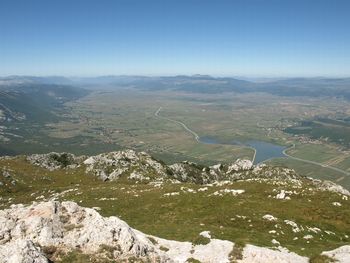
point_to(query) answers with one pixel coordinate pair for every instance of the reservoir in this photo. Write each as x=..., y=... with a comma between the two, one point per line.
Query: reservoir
x=264, y=150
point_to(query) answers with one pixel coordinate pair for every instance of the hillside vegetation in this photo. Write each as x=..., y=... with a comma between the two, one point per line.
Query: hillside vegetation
x=264, y=206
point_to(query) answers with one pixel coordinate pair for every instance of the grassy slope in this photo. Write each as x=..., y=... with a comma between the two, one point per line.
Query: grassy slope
x=184, y=216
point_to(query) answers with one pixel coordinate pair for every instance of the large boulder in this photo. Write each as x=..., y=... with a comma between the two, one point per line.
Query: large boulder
x=67, y=226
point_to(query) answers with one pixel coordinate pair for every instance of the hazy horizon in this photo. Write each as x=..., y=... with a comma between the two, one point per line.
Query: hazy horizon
x=251, y=78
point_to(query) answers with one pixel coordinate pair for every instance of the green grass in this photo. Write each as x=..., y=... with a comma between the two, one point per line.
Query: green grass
x=183, y=217
x=312, y=170
x=321, y=259
x=315, y=152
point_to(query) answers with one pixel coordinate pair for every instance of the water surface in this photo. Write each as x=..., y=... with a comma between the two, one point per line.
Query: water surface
x=264, y=150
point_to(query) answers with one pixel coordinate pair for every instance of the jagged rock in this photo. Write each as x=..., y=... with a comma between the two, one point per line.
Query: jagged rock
x=240, y=165
x=191, y=172
x=111, y=166
x=68, y=226
x=21, y=251
x=330, y=186
x=140, y=166
x=53, y=161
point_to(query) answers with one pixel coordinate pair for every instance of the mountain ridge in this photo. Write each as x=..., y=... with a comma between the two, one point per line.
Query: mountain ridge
x=236, y=212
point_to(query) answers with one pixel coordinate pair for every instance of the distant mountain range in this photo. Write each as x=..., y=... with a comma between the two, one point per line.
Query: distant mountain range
x=313, y=87
x=30, y=97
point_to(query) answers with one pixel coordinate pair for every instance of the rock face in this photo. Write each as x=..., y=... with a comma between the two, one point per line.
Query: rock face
x=67, y=226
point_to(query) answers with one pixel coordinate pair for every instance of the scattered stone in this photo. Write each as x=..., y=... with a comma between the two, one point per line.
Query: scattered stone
x=269, y=217
x=281, y=195
x=205, y=234
x=295, y=227
x=275, y=242
x=172, y=194
x=227, y=191
x=307, y=237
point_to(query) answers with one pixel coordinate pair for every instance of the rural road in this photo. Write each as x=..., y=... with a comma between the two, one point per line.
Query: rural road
x=303, y=160
x=312, y=162
x=195, y=135
x=197, y=138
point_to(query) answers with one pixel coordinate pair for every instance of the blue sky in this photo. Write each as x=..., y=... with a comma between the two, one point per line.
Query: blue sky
x=233, y=38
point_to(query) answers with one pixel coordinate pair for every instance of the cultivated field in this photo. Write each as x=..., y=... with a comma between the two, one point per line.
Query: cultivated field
x=126, y=118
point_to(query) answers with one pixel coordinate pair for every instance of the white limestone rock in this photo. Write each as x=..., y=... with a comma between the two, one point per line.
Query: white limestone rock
x=330, y=186
x=21, y=251
x=24, y=230
x=222, y=192
x=205, y=234
x=240, y=165
x=269, y=217
x=341, y=254
x=254, y=254
x=281, y=195
x=215, y=251
x=69, y=226
x=112, y=165
x=53, y=161
x=295, y=227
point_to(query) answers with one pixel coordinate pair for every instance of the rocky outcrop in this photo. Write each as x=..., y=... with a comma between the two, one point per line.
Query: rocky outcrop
x=137, y=166
x=140, y=166
x=21, y=251
x=53, y=161
x=29, y=233
x=67, y=226
x=240, y=165
x=330, y=186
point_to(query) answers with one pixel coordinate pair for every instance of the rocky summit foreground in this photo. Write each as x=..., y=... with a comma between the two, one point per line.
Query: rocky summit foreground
x=45, y=231
x=184, y=212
